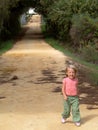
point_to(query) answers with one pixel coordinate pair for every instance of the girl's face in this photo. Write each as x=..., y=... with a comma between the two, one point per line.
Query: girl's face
x=71, y=73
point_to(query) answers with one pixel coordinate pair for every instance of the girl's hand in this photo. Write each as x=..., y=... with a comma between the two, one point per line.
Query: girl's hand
x=65, y=97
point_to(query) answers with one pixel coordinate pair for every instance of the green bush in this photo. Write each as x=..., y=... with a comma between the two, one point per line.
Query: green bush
x=84, y=30
x=89, y=54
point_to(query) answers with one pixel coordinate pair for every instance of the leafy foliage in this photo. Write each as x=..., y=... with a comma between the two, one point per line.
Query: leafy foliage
x=10, y=11
x=73, y=20
x=83, y=30
x=89, y=53
x=60, y=17
x=59, y=14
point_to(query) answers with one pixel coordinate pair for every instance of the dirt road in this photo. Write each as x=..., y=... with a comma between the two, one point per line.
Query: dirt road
x=30, y=86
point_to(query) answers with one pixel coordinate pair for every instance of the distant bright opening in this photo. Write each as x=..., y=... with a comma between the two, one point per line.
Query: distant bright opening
x=32, y=11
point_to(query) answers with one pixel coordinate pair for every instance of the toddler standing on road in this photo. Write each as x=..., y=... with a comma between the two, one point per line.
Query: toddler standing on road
x=70, y=94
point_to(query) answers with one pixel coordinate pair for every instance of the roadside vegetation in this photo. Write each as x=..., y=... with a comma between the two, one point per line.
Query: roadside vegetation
x=10, y=25
x=5, y=46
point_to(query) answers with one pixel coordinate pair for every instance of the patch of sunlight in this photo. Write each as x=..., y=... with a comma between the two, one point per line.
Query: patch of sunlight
x=26, y=51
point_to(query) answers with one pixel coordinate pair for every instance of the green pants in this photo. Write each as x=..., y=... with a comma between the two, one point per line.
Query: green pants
x=72, y=103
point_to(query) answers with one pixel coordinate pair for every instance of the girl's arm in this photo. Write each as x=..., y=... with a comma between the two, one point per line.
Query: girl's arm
x=63, y=91
x=77, y=88
x=78, y=93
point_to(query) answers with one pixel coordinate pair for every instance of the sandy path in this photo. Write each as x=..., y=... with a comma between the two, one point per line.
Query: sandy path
x=30, y=83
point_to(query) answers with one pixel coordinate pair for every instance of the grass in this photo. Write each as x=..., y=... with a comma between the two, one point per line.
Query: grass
x=90, y=70
x=5, y=46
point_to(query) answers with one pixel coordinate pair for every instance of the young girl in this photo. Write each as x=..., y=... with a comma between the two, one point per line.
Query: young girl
x=70, y=94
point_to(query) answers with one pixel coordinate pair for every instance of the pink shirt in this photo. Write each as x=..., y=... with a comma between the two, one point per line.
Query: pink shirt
x=70, y=86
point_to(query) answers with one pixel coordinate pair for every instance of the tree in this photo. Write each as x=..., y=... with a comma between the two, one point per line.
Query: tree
x=10, y=12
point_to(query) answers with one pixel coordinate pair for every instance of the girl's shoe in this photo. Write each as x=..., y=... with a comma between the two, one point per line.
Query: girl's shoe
x=63, y=120
x=77, y=123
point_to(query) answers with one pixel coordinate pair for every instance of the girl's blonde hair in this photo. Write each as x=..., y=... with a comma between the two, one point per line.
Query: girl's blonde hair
x=72, y=67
